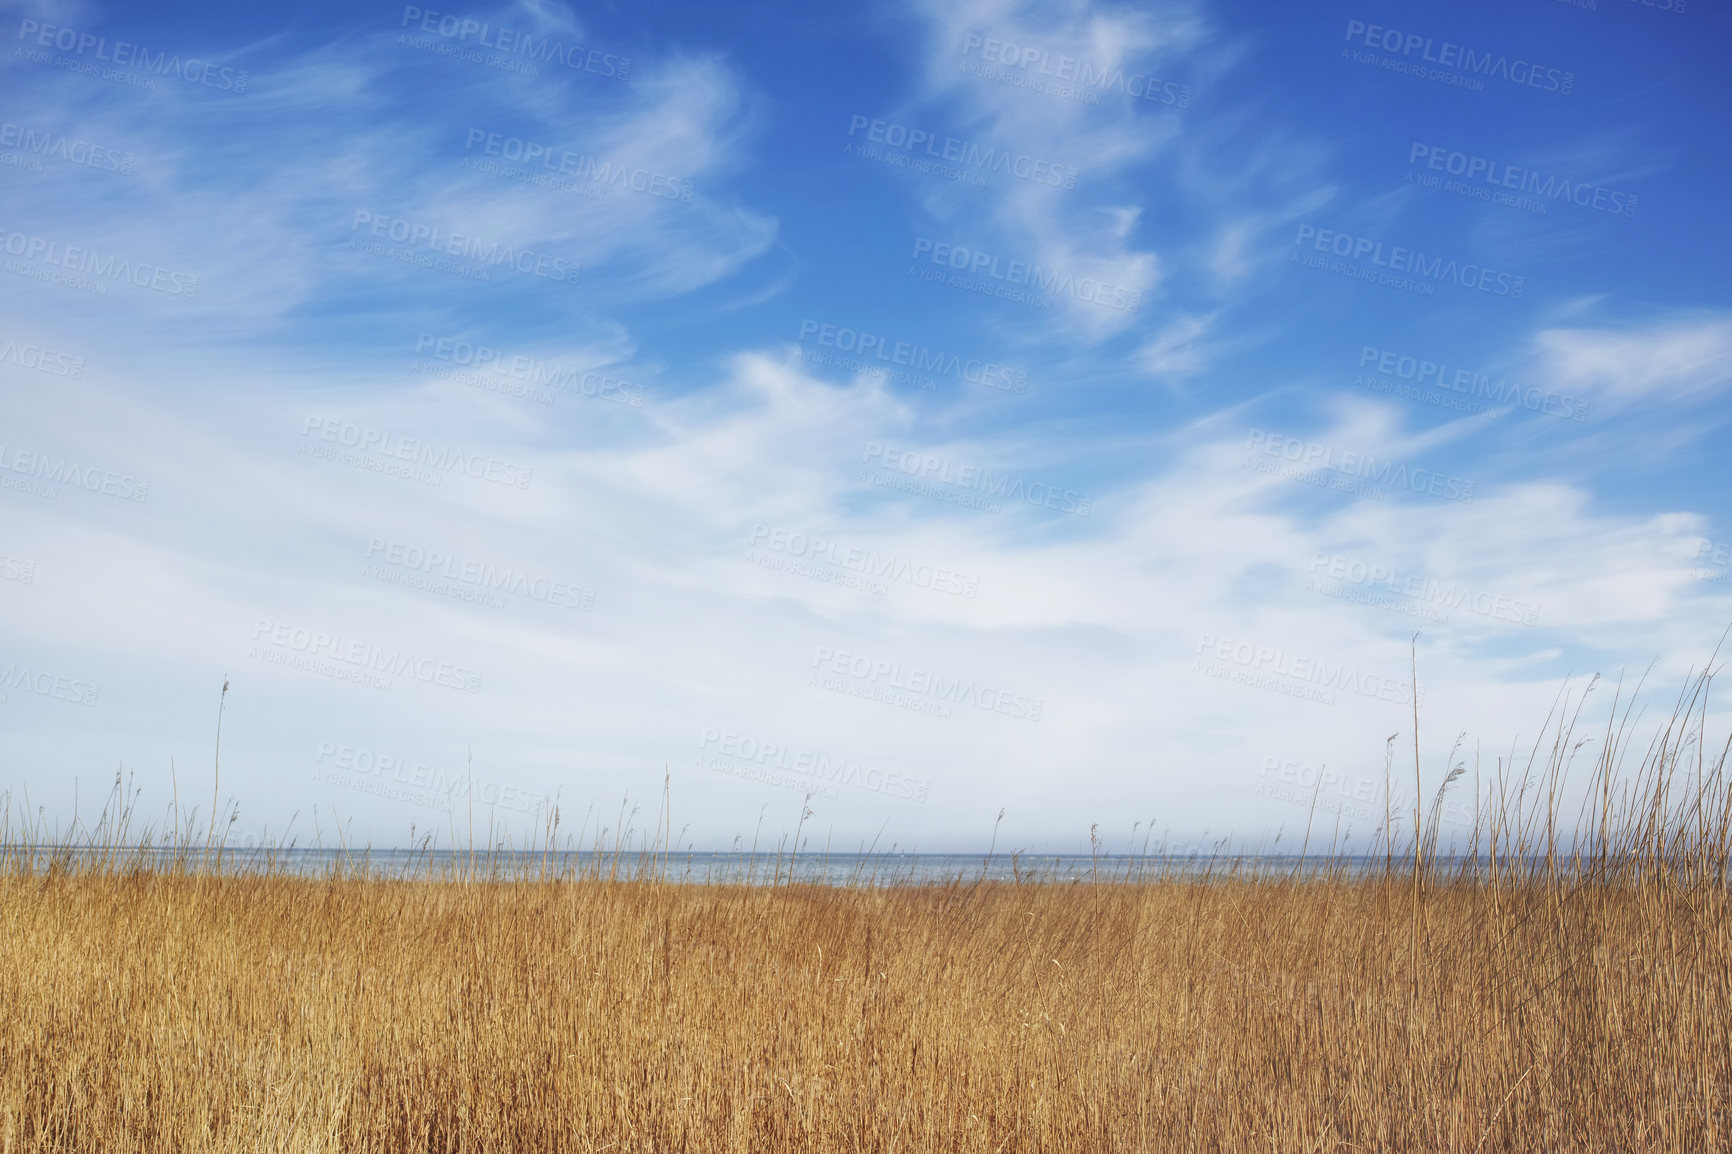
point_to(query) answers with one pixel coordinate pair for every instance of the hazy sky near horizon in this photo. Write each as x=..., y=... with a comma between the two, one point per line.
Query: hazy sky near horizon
x=939, y=407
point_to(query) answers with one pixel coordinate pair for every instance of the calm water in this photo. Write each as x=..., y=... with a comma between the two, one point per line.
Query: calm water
x=763, y=869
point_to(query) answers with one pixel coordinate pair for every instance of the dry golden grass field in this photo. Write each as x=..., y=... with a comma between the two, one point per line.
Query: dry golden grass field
x=1536, y=1000
x=181, y=1014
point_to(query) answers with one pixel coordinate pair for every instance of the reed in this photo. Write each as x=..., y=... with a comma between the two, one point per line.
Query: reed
x=1561, y=982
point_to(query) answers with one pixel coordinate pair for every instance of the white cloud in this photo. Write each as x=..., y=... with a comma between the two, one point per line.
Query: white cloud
x=1178, y=350
x=1681, y=358
x=206, y=199
x=1100, y=617
x=1089, y=231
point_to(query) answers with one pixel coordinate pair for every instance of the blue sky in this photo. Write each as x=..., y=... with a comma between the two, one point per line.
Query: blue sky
x=1067, y=408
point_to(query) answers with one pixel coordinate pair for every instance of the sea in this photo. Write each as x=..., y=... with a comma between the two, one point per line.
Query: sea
x=724, y=868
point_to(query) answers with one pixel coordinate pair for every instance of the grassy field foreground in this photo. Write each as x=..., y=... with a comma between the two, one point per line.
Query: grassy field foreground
x=242, y=1014
x=1537, y=993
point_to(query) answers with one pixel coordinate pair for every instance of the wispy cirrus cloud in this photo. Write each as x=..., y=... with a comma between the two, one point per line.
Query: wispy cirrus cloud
x=651, y=216
x=1679, y=358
